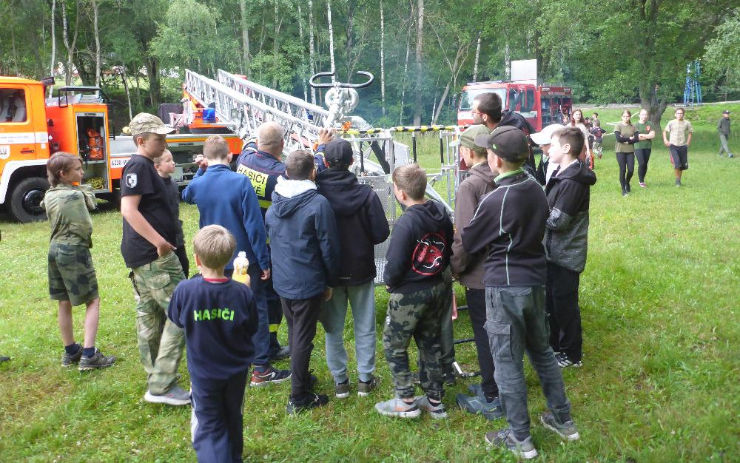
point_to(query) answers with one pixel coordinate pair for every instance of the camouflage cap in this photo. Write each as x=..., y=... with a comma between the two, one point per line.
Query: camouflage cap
x=148, y=123
x=467, y=138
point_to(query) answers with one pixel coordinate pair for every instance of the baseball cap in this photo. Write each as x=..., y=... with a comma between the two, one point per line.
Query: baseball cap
x=467, y=138
x=726, y=111
x=507, y=142
x=543, y=136
x=338, y=152
x=148, y=123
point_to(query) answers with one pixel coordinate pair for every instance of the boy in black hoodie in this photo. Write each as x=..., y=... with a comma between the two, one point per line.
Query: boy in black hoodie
x=510, y=223
x=361, y=224
x=417, y=256
x=566, y=242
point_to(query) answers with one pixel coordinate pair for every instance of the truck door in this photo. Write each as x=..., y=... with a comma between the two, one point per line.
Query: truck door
x=17, y=135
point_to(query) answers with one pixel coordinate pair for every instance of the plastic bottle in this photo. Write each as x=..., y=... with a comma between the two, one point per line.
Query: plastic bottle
x=241, y=263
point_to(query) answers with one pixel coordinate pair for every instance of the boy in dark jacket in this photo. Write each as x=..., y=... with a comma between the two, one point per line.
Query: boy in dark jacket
x=226, y=198
x=510, y=222
x=469, y=270
x=361, y=224
x=417, y=256
x=219, y=317
x=566, y=242
x=305, y=259
x=165, y=165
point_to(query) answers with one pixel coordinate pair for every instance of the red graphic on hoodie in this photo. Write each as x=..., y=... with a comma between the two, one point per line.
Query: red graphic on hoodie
x=428, y=254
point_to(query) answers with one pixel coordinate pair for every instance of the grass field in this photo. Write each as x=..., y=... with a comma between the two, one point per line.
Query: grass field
x=659, y=299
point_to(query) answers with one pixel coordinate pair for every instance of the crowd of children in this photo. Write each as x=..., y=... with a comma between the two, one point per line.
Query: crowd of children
x=517, y=249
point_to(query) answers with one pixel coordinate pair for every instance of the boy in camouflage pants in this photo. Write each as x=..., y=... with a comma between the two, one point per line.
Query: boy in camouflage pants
x=418, y=254
x=149, y=229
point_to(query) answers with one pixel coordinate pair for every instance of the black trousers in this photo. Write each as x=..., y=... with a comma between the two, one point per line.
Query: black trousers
x=626, y=163
x=301, y=315
x=643, y=157
x=477, y=310
x=217, y=418
x=561, y=303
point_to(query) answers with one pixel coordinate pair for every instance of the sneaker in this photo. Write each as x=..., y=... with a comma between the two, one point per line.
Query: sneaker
x=642, y=185
x=565, y=362
x=478, y=405
x=730, y=155
x=341, y=390
x=311, y=401
x=68, y=360
x=476, y=389
x=398, y=408
x=4, y=358
x=628, y=188
x=449, y=378
x=505, y=438
x=268, y=376
x=98, y=360
x=567, y=430
x=281, y=354
x=365, y=387
x=175, y=396
x=678, y=182
x=437, y=412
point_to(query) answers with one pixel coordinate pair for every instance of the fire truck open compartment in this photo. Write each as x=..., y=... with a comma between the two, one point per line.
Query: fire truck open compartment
x=91, y=135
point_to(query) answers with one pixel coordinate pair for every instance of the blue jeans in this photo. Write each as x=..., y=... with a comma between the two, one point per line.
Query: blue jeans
x=333, y=314
x=261, y=338
x=516, y=323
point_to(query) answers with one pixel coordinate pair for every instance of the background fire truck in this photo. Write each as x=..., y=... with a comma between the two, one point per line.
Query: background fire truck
x=32, y=128
x=540, y=104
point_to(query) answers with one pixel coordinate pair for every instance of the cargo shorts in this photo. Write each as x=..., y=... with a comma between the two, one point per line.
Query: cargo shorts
x=71, y=274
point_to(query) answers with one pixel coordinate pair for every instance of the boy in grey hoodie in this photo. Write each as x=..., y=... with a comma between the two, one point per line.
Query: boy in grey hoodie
x=469, y=271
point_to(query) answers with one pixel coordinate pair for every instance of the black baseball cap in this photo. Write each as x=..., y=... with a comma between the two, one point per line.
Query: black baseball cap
x=338, y=152
x=508, y=142
x=726, y=111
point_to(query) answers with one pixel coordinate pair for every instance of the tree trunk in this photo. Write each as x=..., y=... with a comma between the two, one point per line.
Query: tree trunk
x=382, y=59
x=70, y=46
x=350, y=39
x=52, y=64
x=245, y=37
x=303, y=53
x=404, y=75
x=436, y=114
x=155, y=87
x=477, y=58
x=419, y=49
x=96, y=33
x=276, y=43
x=128, y=93
x=311, y=49
x=331, y=37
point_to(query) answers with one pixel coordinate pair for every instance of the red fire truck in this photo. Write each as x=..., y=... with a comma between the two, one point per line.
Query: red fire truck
x=541, y=105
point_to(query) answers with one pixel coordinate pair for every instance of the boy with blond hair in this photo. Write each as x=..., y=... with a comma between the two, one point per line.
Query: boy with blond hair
x=219, y=317
x=228, y=199
x=417, y=256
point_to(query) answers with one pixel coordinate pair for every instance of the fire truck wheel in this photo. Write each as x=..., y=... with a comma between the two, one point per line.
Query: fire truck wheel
x=25, y=200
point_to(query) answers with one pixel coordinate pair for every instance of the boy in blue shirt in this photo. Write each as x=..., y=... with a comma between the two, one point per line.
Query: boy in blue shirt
x=226, y=198
x=219, y=317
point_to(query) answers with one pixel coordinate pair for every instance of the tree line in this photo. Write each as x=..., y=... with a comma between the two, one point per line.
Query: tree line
x=421, y=51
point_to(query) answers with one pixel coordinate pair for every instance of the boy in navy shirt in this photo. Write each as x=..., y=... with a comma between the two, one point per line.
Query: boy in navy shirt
x=219, y=317
x=510, y=224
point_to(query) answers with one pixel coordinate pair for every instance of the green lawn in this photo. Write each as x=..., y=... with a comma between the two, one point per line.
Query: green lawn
x=659, y=301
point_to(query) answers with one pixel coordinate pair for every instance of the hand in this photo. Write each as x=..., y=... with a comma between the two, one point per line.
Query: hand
x=328, y=293
x=164, y=248
x=201, y=161
x=265, y=274
x=325, y=136
x=665, y=142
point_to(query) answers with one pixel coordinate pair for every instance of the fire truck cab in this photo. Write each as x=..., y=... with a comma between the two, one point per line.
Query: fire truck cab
x=541, y=105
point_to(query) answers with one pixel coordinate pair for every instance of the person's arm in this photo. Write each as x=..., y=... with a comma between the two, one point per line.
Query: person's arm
x=691, y=132
x=326, y=231
x=485, y=227
x=648, y=136
x=565, y=207
x=465, y=204
x=89, y=197
x=255, y=227
x=398, y=254
x=377, y=221
x=188, y=194
x=665, y=131
x=130, y=212
x=620, y=138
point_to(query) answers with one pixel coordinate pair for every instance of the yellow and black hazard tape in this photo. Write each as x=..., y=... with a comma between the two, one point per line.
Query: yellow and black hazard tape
x=401, y=128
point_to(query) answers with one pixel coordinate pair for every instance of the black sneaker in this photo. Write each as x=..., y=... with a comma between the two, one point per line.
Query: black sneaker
x=564, y=361
x=364, y=388
x=268, y=376
x=341, y=390
x=3, y=358
x=505, y=438
x=281, y=354
x=311, y=401
x=567, y=431
x=98, y=360
x=68, y=360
